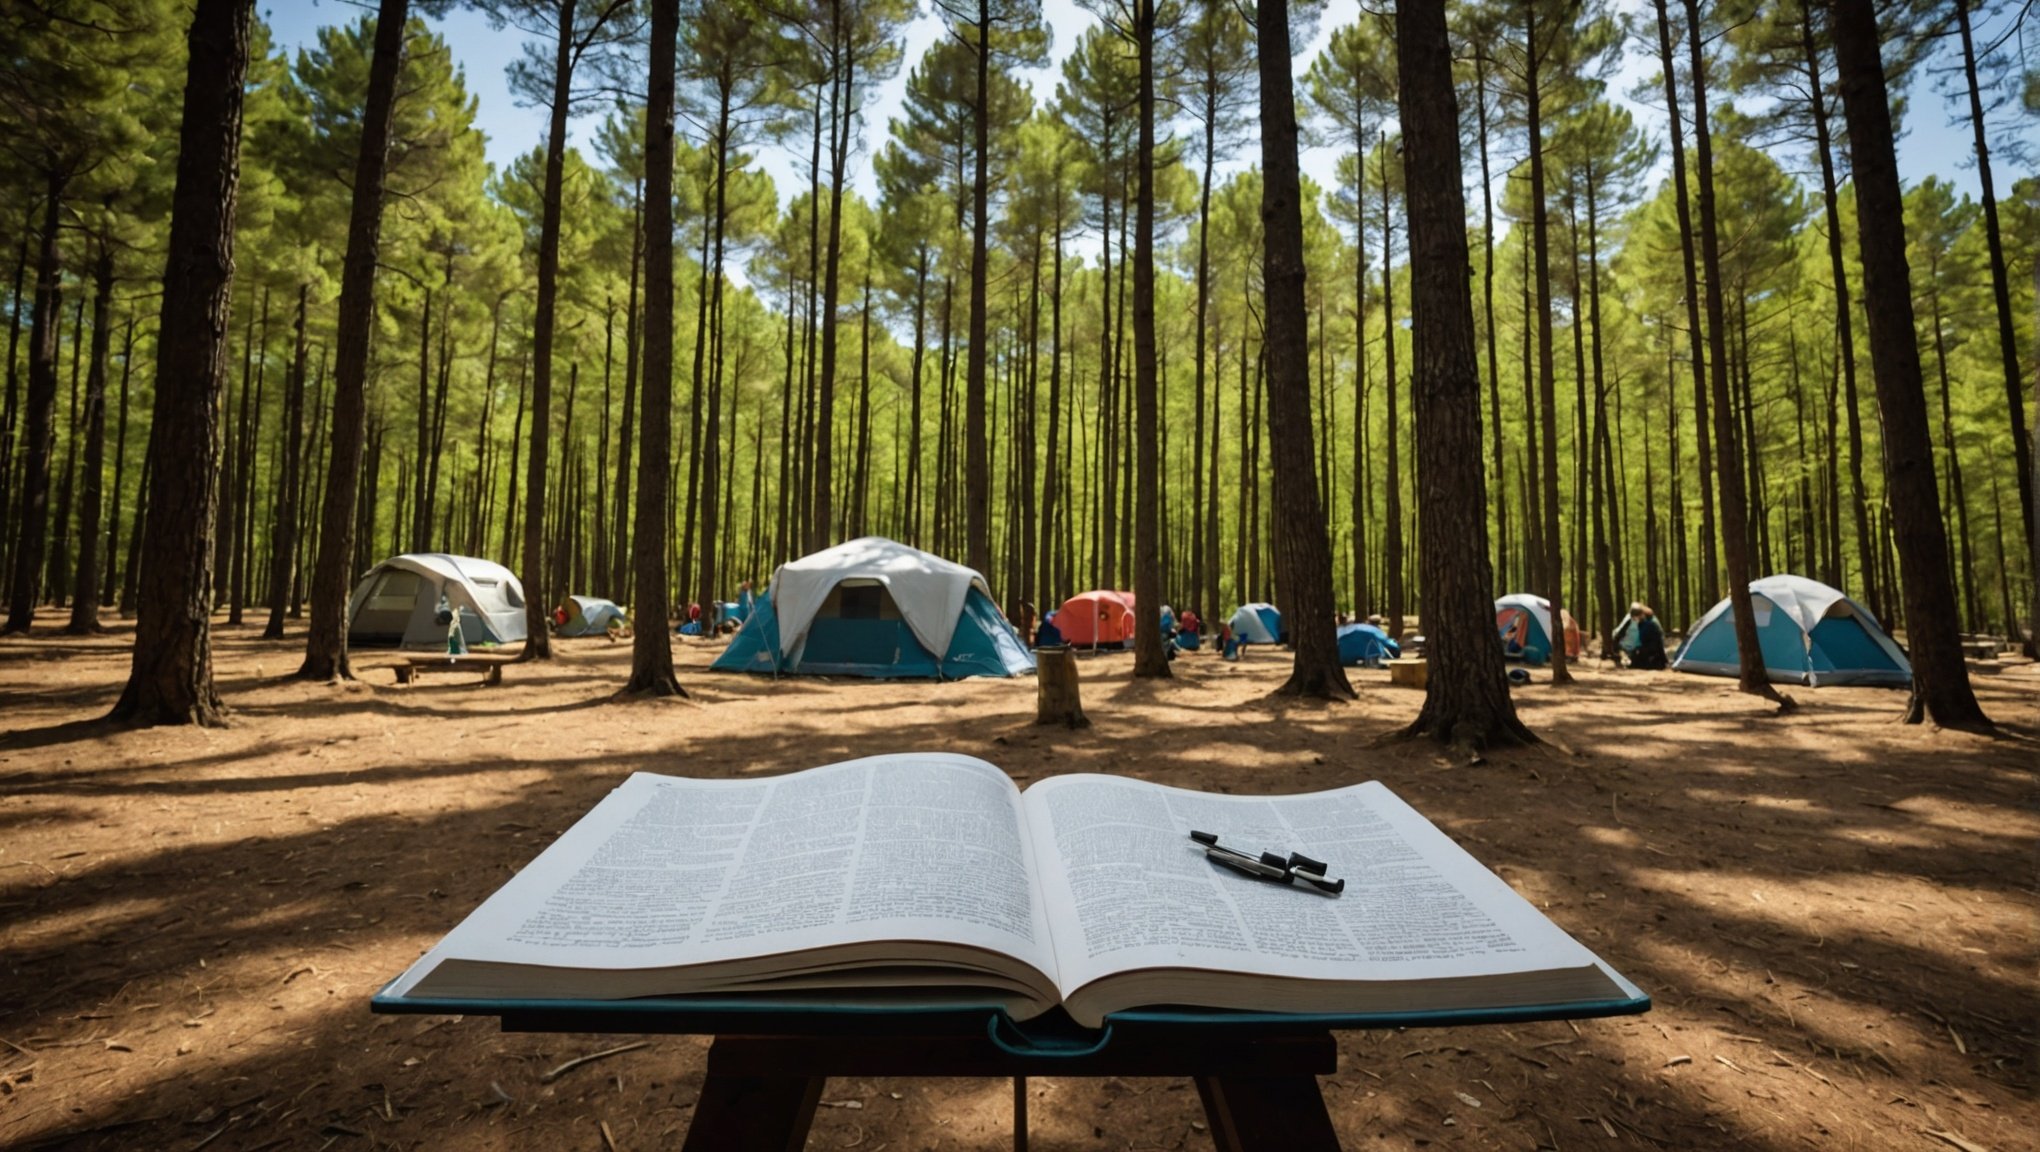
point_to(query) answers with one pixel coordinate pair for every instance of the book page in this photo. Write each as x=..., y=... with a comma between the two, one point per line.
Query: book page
x=667, y=871
x=1128, y=889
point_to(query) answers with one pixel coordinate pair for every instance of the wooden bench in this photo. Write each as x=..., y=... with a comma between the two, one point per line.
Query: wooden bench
x=1981, y=647
x=491, y=667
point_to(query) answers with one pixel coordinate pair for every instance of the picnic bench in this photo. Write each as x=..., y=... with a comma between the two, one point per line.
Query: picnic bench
x=1981, y=647
x=490, y=666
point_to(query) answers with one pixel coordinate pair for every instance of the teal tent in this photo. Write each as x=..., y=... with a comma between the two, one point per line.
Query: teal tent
x=1809, y=633
x=876, y=608
x=1362, y=643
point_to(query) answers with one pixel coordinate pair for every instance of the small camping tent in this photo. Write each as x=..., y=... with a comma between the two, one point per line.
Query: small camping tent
x=588, y=616
x=1524, y=622
x=1360, y=643
x=1809, y=633
x=873, y=607
x=397, y=604
x=1257, y=624
x=1097, y=619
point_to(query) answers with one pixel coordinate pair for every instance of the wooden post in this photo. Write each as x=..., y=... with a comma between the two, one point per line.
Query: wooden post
x=1057, y=697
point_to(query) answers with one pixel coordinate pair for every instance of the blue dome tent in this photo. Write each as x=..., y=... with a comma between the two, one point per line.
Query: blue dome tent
x=1810, y=634
x=1360, y=643
x=1257, y=624
x=876, y=608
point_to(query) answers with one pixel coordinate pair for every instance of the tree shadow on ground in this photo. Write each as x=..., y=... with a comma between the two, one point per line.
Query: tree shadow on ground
x=1726, y=887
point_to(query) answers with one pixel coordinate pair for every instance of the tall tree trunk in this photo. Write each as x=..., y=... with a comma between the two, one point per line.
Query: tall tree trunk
x=1466, y=699
x=1392, y=514
x=1547, y=384
x=10, y=413
x=1500, y=490
x=421, y=501
x=1940, y=679
x=1709, y=567
x=1303, y=556
x=1755, y=679
x=58, y=578
x=538, y=593
x=1150, y=658
x=620, y=552
x=651, y=656
x=1845, y=339
x=283, y=549
x=2000, y=287
x=170, y=680
x=91, y=494
x=39, y=441
x=326, y=638
x=819, y=530
x=1208, y=88
x=977, y=458
x=711, y=454
x=127, y=365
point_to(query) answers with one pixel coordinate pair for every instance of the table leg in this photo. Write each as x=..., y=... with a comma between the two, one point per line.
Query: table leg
x=753, y=1113
x=1267, y=1114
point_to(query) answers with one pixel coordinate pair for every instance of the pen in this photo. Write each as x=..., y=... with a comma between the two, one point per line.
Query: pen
x=1297, y=868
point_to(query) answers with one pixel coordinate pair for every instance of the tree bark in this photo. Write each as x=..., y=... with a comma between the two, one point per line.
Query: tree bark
x=977, y=457
x=2000, y=287
x=39, y=440
x=91, y=494
x=107, y=585
x=1466, y=698
x=1709, y=568
x=651, y=663
x=1302, y=553
x=283, y=547
x=326, y=637
x=1755, y=679
x=1547, y=384
x=1150, y=657
x=171, y=677
x=1940, y=679
x=538, y=592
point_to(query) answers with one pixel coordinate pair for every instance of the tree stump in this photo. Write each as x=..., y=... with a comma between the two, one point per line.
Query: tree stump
x=1057, y=698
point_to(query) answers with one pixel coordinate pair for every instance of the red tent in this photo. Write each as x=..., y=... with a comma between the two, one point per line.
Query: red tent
x=1101, y=619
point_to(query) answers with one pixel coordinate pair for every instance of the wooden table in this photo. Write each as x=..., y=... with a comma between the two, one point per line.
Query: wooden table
x=1256, y=1073
x=1258, y=1084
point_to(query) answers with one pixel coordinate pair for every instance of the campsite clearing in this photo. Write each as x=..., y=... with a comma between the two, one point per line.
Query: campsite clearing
x=1835, y=913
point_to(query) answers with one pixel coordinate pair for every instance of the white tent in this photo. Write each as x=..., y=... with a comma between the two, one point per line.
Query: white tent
x=928, y=590
x=397, y=604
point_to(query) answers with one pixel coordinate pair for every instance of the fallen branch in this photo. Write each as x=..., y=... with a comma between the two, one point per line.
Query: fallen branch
x=590, y=1058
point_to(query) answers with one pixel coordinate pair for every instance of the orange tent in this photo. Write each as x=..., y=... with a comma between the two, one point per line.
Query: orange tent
x=1097, y=619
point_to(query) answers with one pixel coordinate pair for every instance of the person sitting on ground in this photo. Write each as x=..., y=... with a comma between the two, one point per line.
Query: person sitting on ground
x=1048, y=635
x=1228, y=646
x=1642, y=638
x=1189, y=622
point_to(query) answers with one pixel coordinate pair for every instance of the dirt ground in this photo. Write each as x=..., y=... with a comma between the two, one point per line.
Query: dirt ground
x=1835, y=914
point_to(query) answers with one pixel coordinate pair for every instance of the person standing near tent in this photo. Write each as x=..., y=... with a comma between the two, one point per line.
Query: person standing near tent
x=747, y=601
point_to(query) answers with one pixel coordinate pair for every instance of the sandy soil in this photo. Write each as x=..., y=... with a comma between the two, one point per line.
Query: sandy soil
x=1834, y=913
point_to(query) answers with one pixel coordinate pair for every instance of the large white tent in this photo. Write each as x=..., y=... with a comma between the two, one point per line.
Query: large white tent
x=874, y=607
x=397, y=604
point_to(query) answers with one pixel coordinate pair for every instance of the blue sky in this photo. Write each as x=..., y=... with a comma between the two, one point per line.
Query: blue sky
x=1932, y=145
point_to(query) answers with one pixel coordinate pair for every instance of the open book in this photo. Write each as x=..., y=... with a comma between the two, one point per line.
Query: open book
x=927, y=879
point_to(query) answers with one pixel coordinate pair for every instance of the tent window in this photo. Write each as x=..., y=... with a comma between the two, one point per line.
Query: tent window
x=395, y=592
